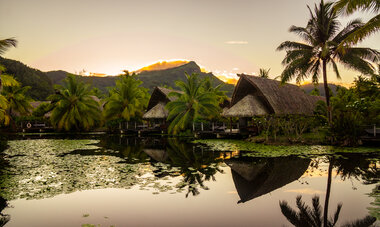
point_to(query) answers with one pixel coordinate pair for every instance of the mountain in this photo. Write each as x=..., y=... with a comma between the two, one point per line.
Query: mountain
x=150, y=79
x=39, y=81
x=102, y=83
x=169, y=76
x=309, y=87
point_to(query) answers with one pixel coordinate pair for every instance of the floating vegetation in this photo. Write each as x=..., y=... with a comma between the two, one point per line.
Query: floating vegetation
x=44, y=168
x=47, y=167
x=262, y=150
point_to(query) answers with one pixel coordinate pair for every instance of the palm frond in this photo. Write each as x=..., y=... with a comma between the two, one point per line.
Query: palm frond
x=5, y=44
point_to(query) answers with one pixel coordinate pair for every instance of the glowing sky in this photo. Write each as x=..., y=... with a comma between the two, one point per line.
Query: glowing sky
x=107, y=36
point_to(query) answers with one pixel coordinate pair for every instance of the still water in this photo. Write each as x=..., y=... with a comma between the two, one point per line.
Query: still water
x=127, y=181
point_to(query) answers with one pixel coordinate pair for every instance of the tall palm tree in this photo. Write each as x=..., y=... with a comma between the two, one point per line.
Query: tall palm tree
x=19, y=102
x=321, y=38
x=5, y=44
x=194, y=103
x=74, y=107
x=127, y=100
x=372, y=26
x=264, y=73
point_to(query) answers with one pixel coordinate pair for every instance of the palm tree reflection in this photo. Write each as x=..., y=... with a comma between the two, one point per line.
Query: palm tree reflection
x=312, y=216
x=351, y=166
x=195, y=166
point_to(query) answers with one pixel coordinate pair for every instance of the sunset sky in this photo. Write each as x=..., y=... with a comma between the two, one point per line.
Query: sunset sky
x=107, y=36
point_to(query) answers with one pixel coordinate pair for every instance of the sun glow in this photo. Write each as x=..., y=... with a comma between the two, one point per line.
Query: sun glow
x=163, y=64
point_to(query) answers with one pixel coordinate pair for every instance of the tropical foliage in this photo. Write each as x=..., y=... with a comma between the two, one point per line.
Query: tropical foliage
x=264, y=73
x=19, y=102
x=127, y=99
x=322, y=38
x=353, y=108
x=4, y=103
x=74, y=106
x=372, y=26
x=195, y=103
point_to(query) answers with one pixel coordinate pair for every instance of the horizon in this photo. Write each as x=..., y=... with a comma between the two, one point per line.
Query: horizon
x=224, y=38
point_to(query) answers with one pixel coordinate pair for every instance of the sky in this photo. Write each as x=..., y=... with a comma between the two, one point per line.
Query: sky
x=108, y=36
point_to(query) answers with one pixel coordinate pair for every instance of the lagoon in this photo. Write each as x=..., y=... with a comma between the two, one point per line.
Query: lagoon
x=86, y=180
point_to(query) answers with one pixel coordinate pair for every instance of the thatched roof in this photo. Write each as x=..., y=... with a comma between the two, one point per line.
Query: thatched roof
x=253, y=180
x=157, y=112
x=247, y=107
x=160, y=94
x=270, y=96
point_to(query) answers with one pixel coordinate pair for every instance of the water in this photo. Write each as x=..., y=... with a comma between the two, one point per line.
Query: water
x=125, y=181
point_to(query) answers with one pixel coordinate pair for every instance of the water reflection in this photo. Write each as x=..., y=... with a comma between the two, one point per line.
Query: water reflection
x=312, y=216
x=37, y=169
x=4, y=219
x=259, y=176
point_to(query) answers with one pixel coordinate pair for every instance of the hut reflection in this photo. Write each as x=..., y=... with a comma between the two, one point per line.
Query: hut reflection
x=259, y=176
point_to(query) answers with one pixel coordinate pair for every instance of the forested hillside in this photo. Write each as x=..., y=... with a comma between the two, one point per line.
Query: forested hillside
x=38, y=80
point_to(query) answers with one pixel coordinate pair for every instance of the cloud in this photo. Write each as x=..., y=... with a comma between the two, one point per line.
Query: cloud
x=239, y=42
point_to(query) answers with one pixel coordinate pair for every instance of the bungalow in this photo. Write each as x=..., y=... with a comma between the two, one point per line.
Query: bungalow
x=156, y=111
x=255, y=96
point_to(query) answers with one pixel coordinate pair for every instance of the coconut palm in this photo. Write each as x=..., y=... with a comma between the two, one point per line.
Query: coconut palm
x=312, y=216
x=321, y=38
x=264, y=73
x=73, y=106
x=127, y=100
x=19, y=102
x=194, y=103
x=372, y=26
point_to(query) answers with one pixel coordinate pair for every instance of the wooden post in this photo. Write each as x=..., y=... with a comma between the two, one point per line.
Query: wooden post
x=230, y=125
x=202, y=126
x=374, y=130
x=193, y=127
x=135, y=125
x=212, y=126
x=127, y=125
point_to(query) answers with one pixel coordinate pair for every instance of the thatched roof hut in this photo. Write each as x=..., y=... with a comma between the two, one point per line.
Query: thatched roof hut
x=260, y=96
x=255, y=179
x=158, y=100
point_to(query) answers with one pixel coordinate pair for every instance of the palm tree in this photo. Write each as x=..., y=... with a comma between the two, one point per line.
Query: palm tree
x=73, y=106
x=4, y=103
x=127, y=100
x=264, y=73
x=322, y=39
x=194, y=103
x=312, y=217
x=5, y=44
x=19, y=102
x=372, y=26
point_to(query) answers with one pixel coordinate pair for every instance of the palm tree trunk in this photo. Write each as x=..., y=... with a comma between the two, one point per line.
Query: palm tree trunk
x=328, y=189
x=327, y=93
